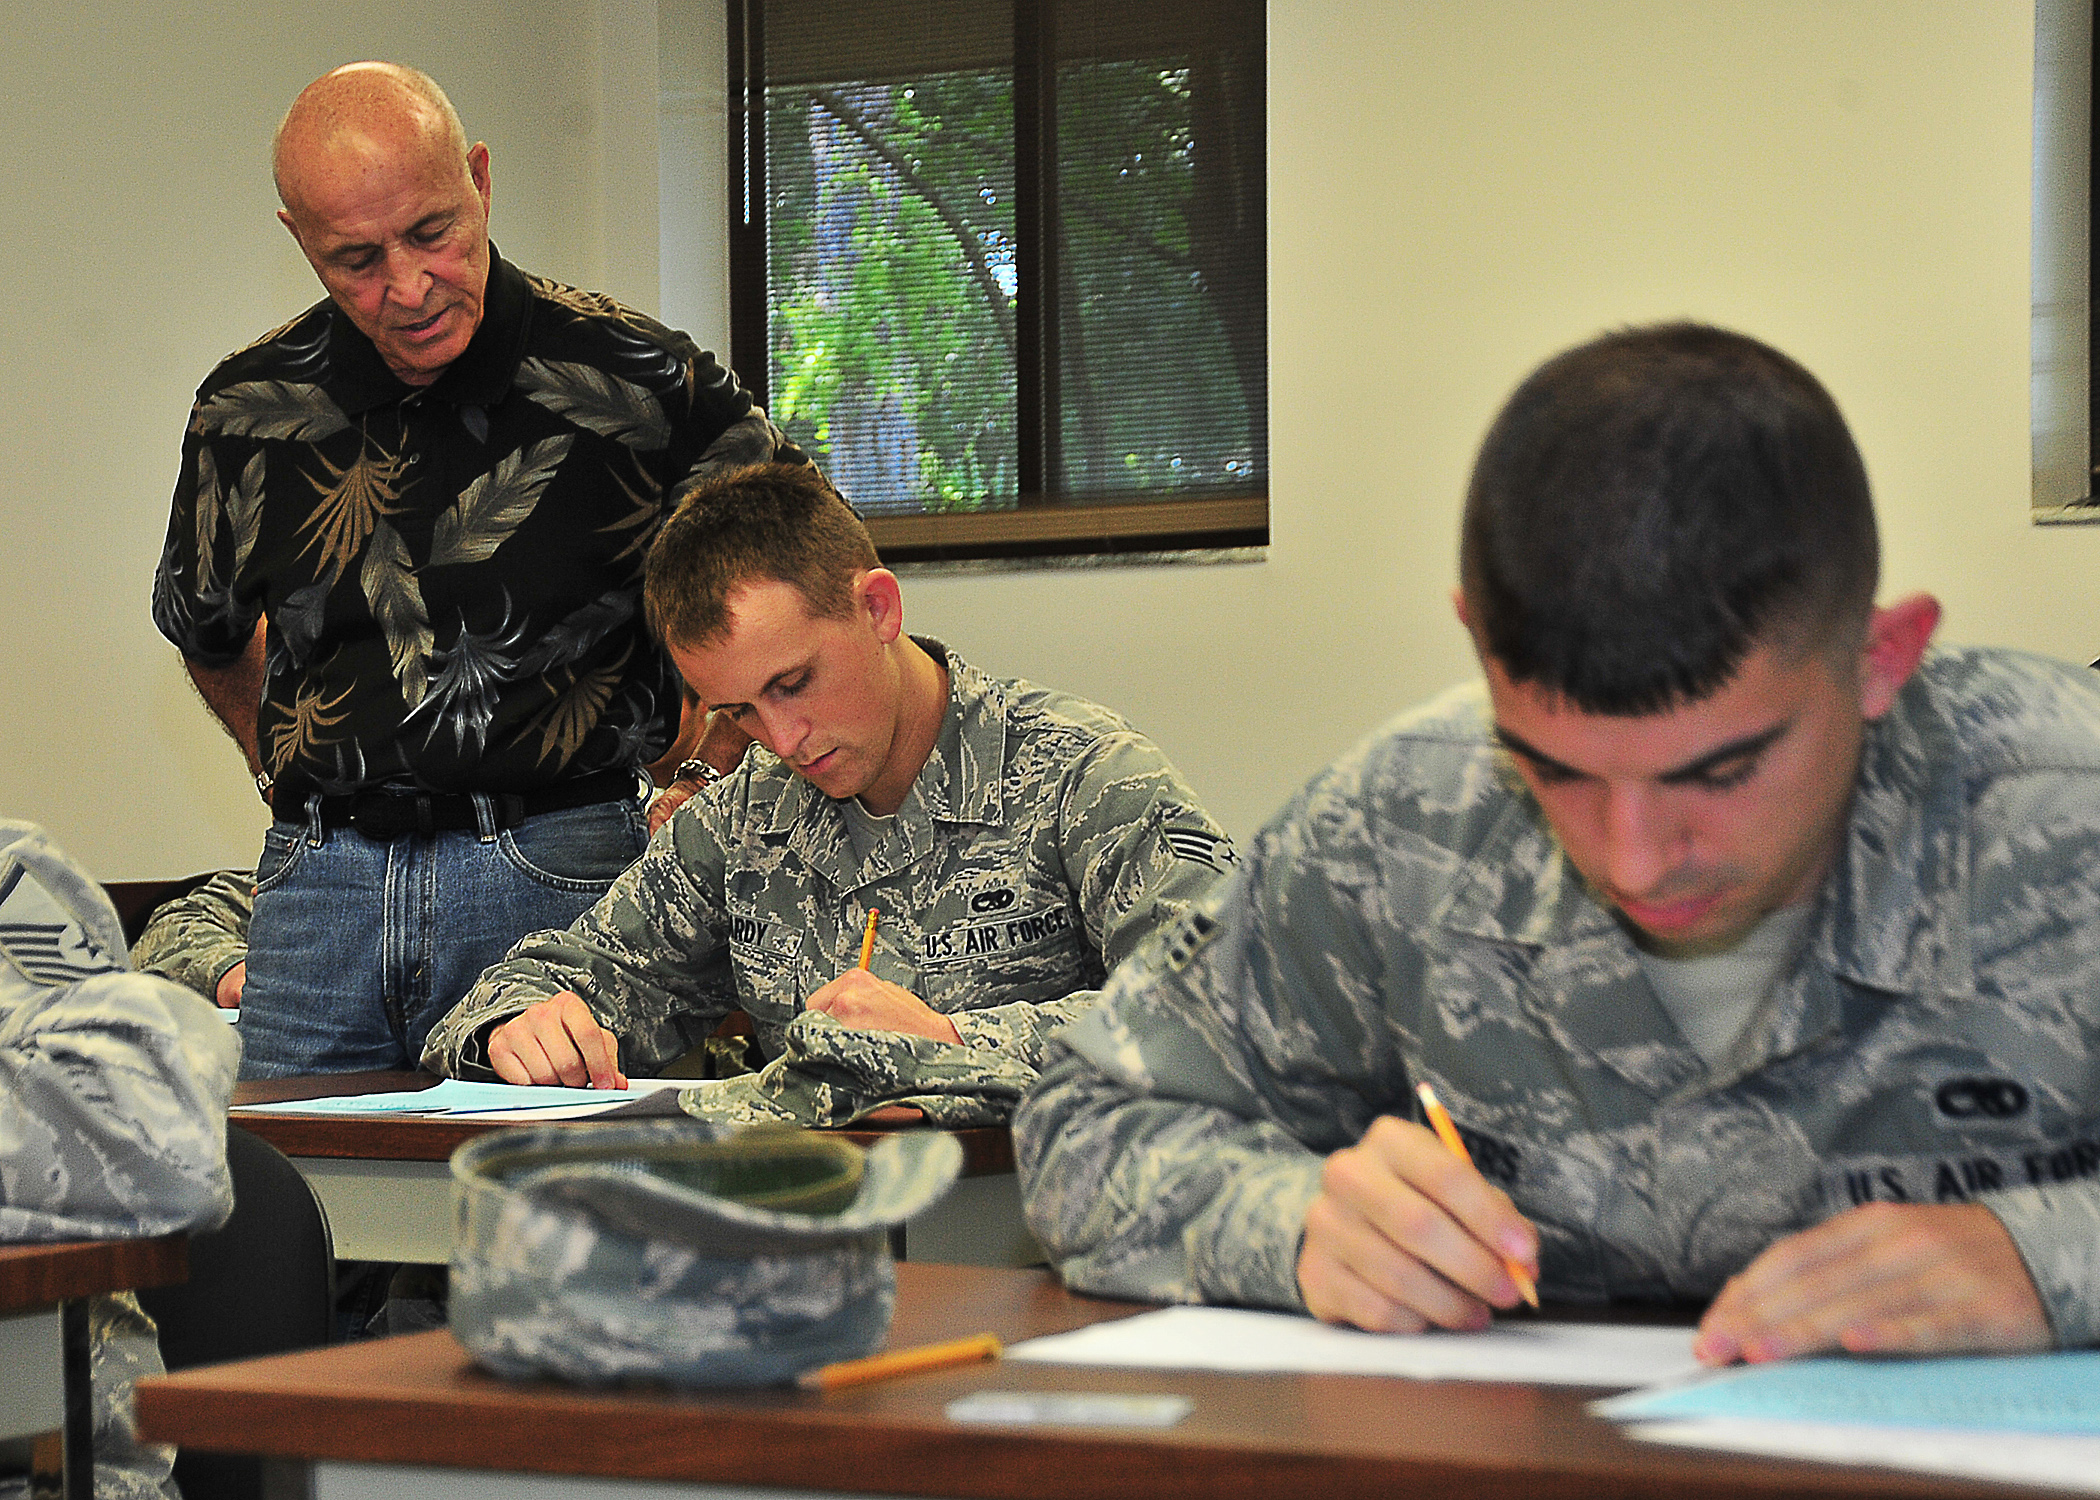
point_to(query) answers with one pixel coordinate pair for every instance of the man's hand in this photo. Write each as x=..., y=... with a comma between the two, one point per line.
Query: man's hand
x=722, y=746
x=1405, y=1235
x=668, y=801
x=1899, y=1278
x=228, y=993
x=557, y=1041
x=858, y=998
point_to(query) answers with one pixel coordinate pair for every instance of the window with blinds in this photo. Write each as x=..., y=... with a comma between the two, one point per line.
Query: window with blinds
x=1007, y=260
x=2061, y=345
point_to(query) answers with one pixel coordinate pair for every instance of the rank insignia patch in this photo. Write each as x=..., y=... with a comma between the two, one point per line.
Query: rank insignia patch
x=1201, y=846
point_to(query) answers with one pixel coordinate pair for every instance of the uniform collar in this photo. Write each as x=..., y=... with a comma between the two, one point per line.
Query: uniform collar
x=1518, y=887
x=359, y=379
x=1581, y=976
x=960, y=782
x=1897, y=903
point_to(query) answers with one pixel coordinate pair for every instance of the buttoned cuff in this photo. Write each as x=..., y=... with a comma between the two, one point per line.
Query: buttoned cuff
x=1249, y=1253
x=2057, y=1232
x=472, y=1063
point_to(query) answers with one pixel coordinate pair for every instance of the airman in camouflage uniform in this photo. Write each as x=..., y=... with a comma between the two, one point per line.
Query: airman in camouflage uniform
x=1411, y=918
x=113, y=1094
x=197, y=938
x=1043, y=841
x=1460, y=901
x=1016, y=841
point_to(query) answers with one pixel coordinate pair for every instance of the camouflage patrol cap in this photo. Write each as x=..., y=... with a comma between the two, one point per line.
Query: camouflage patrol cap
x=56, y=925
x=677, y=1251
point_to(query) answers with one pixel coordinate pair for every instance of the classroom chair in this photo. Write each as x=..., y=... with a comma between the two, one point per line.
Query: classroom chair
x=137, y=900
x=262, y=1284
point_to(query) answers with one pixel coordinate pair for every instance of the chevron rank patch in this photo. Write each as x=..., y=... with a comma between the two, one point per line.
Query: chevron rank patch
x=1202, y=846
x=40, y=936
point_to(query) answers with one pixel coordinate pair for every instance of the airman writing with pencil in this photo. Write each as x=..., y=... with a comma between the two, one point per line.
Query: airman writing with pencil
x=1017, y=841
x=1750, y=944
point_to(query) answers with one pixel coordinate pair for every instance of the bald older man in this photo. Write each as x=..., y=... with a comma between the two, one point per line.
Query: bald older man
x=404, y=568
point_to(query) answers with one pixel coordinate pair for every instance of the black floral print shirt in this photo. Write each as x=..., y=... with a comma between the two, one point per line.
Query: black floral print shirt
x=451, y=573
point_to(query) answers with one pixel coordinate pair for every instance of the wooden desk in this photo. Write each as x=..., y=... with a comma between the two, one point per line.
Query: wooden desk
x=412, y=1416
x=388, y=1189
x=44, y=1333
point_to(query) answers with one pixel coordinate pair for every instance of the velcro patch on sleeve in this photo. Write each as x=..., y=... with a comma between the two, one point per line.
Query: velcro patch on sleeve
x=1190, y=934
x=1202, y=846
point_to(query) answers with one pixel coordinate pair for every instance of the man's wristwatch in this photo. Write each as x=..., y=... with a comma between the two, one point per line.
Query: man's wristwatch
x=699, y=772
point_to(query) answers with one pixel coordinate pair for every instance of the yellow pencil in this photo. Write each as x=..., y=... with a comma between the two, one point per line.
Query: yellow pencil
x=867, y=939
x=1447, y=1132
x=901, y=1362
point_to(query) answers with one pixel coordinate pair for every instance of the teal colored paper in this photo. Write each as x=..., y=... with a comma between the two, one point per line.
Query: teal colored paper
x=453, y=1096
x=2042, y=1393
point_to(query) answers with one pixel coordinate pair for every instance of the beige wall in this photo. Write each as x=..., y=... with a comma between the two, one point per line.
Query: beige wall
x=1456, y=191
x=139, y=247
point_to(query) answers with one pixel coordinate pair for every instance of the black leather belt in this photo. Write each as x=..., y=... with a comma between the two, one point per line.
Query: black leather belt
x=384, y=816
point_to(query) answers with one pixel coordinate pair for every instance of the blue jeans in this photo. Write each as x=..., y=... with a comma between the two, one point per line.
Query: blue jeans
x=358, y=948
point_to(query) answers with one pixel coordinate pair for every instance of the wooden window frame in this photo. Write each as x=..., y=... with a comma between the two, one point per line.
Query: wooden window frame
x=1041, y=524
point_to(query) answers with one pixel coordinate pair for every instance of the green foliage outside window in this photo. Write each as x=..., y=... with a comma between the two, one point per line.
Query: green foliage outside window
x=892, y=289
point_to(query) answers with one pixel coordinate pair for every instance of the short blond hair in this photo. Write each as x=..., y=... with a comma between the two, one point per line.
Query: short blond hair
x=778, y=522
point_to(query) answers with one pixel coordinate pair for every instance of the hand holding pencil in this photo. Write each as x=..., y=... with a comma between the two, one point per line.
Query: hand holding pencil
x=1447, y=1132
x=1406, y=1234
x=862, y=998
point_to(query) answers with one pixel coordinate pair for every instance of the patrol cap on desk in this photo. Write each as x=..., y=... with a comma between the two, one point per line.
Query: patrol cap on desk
x=676, y=1251
x=56, y=925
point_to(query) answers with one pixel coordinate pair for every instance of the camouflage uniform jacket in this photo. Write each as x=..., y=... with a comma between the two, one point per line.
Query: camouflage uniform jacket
x=1042, y=842
x=1411, y=917
x=113, y=1093
x=196, y=937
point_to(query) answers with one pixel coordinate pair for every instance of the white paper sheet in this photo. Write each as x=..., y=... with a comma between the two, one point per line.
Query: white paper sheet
x=2025, y=1458
x=1228, y=1338
x=591, y=1101
x=453, y=1099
